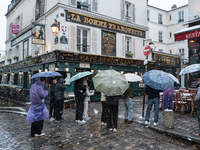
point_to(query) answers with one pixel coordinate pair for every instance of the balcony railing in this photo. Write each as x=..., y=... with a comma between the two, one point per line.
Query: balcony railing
x=83, y=6
x=181, y=20
x=83, y=48
x=127, y=18
x=160, y=22
x=160, y=40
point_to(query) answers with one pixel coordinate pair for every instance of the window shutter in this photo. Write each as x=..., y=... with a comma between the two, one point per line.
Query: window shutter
x=72, y=41
x=133, y=47
x=122, y=9
x=133, y=13
x=20, y=24
x=123, y=46
x=73, y=3
x=94, y=42
x=94, y=5
x=20, y=50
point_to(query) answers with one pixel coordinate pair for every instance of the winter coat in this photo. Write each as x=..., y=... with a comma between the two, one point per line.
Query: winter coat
x=152, y=93
x=113, y=100
x=59, y=90
x=103, y=97
x=197, y=98
x=88, y=94
x=79, y=90
x=128, y=92
x=38, y=110
x=52, y=92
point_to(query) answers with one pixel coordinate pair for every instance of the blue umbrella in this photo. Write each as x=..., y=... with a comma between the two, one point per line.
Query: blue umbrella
x=80, y=75
x=46, y=74
x=158, y=80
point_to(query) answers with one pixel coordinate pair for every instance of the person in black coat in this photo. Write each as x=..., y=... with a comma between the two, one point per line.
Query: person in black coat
x=79, y=91
x=112, y=103
x=52, y=99
x=59, y=98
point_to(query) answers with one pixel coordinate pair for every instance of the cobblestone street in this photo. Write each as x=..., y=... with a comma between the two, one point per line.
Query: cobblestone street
x=15, y=134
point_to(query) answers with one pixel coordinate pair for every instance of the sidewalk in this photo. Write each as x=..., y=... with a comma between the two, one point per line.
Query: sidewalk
x=185, y=125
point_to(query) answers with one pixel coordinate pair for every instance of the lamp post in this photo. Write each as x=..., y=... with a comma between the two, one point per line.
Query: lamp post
x=55, y=27
x=147, y=50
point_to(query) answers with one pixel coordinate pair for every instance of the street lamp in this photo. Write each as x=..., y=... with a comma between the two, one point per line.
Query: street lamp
x=55, y=27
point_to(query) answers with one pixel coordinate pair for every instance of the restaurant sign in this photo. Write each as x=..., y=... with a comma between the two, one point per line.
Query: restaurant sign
x=189, y=35
x=166, y=59
x=103, y=24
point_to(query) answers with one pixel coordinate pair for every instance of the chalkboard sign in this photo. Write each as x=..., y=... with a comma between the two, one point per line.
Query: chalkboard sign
x=63, y=40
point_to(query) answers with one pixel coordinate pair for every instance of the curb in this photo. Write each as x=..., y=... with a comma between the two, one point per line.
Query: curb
x=16, y=112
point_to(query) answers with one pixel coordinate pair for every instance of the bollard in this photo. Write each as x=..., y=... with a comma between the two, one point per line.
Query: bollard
x=168, y=118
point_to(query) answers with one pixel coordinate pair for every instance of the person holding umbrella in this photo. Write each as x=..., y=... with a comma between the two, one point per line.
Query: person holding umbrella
x=52, y=100
x=38, y=111
x=59, y=99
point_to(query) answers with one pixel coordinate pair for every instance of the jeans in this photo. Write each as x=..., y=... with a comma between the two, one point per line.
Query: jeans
x=128, y=108
x=36, y=127
x=59, y=110
x=79, y=109
x=156, y=102
x=198, y=114
x=85, y=111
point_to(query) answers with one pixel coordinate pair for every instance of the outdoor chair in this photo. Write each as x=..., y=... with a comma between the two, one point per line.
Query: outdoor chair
x=161, y=102
x=180, y=104
x=191, y=101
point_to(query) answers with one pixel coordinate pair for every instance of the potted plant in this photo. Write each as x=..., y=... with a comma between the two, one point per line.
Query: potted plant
x=8, y=59
x=129, y=55
x=15, y=58
x=27, y=57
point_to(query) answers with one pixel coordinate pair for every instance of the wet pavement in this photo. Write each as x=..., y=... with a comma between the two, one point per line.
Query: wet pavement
x=69, y=135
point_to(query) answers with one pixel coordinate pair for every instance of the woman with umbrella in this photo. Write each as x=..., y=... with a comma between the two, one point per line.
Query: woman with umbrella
x=38, y=111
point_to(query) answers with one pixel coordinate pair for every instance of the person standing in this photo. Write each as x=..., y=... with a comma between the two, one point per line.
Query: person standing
x=104, y=110
x=153, y=98
x=128, y=105
x=112, y=103
x=168, y=97
x=52, y=100
x=79, y=91
x=38, y=111
x=87, y=98
x=197, y=102
x=59, y=99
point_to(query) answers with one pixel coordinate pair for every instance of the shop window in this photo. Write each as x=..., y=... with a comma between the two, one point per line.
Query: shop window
x=25, y=49
x=160, y=19
x=82, y=40
x=160, y=36
x=181, y=16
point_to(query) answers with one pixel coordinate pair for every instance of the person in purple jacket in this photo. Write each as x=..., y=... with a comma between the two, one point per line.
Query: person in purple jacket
x=38, y=111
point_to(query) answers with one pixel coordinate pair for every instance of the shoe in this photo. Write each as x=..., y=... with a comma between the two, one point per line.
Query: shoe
x=39, y=135
x=102, y=123
x=110, y=129
x=105, y=124
x=114, y=130
x=155, y=123
x=52, y=119
x=147, y=123
x=76, y=120
x=197, y=135
x=125, y=120
x=81, y=121
x=57, y=120
x=129, y=122
x=87, y=118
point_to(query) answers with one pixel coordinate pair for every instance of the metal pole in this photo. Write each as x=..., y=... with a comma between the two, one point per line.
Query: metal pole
x=144, y=92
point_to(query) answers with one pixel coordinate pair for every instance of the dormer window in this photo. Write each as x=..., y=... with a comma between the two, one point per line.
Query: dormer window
x=39, y=11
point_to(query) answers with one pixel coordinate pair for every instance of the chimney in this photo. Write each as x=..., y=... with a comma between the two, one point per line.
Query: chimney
x=174, y=6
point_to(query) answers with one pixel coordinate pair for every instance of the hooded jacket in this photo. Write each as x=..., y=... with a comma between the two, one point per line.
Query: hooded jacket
x=59, y=90
x=79, y=90
x=52, y=92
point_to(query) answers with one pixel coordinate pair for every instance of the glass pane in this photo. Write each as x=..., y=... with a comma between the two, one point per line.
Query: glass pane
x=84, y=41
x=85, y=48
x=78, y=32
x=78, y=40
x=78, y=48
x=84, y=33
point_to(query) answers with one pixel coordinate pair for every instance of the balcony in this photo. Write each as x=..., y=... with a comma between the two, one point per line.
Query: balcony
x=161, y=41
x=83, y=6
x=160, y=22
x=83, y=48
x=127, y=19
x=180, y=20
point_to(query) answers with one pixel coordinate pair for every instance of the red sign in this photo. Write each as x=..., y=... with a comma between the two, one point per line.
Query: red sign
x=147, y=50
x=64, y=28
x=189, y=35
x=15, y=29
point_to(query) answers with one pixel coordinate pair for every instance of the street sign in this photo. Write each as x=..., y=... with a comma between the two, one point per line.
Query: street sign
x=147, y=50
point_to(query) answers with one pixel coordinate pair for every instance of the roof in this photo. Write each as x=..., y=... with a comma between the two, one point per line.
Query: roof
x=185, y=30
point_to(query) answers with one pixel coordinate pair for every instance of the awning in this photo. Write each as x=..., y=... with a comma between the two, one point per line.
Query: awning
x=187, y=33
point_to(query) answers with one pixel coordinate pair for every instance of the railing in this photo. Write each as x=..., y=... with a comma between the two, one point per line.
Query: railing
x=83, y=48
x=127, y=18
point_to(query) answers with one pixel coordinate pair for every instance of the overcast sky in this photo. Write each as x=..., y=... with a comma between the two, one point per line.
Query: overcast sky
x=163, y=4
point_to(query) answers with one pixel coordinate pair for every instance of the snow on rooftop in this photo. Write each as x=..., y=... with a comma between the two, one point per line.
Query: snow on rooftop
x=188, y=29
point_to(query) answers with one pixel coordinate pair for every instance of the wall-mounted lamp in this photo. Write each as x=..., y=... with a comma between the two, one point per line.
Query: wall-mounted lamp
x=191, y=41
x=122, y=72
x=151, y=43
x=20, y=73
x=98, y=70
x=46, y=70
x=40, y=70
x=13, y=73
x=67, y=69
x=55, y=27
x=136, y=73
x=92, y=70
x=74, y=70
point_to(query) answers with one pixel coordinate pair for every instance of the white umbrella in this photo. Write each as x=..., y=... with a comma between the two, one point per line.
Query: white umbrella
x=174, y=78
x=131, y=77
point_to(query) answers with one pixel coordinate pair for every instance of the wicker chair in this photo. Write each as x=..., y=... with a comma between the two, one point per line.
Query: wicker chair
x=180, y=104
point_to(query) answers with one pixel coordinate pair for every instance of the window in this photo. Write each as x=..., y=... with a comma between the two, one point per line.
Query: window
x=160, y=36
x=39, y=11
x=127, y=12
x=83, y=4
x=160, y=50
x=181, y=16
x=25, y=49
x=181, y=50
x=82, y=40
x=128, y=48
x=160, y=18
x=170, y=51
x=10, y=30
x=148, y=17
x=170, y=17
x=170, y=35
